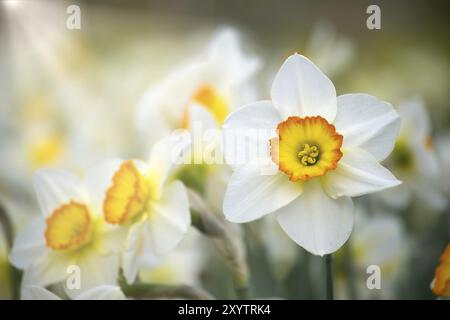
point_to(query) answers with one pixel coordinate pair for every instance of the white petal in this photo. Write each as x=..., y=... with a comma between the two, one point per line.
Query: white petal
x=150, y=120
x=415, y=118
x=170, y=218
x=368, y=123
x=443, y=151
x=247, y=131
x=200, y=117
x=225, y=51
x=102, y=293
x=56, y=187
x=49, y=268
x=112, y=238
x=256, y=115
x=332, y=51
x=425, y=157
x=301, y=89
x=132, y=251
x=318, y=223
x=165, y=155
x=97, y=181
x=358, y=173
x=29, y=244
x=37, y=293
x=251, y=194
x=96, y=270
x=381, y=236
x=160, y=111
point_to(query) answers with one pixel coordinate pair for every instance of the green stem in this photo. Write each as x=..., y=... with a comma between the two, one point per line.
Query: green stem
x=329, y=276
x=350, y=270
x=153, y=291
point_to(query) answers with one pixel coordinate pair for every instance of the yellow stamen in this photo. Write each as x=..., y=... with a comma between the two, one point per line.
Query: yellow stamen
x=69, y=227
x=308, y=154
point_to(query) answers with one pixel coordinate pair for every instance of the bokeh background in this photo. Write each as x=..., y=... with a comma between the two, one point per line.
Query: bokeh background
x=67, y=99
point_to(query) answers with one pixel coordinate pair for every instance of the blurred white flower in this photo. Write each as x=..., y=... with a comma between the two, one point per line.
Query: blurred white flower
x=443, y=151
x=323, y=151
x=205, y=89
x=97, y=293
x=378, y=239
x=281, y=249
x=414, y=161
x=71, y=232
x=198, y=96
x=151, y=208
x=331, y=52
x=181, y=266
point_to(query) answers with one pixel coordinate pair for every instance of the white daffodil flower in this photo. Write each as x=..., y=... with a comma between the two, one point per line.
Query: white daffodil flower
x=415, y=161
x=323, y=151
x=70, y=236
x=152, y=209
x=203, y=90
x=97, y=293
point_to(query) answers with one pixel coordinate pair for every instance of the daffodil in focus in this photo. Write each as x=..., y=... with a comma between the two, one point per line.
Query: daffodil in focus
x=204, y=89
x=71, y=235
x=441, y=282
x=142, y=199
x=97, y=293
x=322, y=151
x=415, y=161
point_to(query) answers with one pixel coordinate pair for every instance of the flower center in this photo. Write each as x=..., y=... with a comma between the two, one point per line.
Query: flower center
x=127, y=198
x=306, y=147
x=208, y=97
x=69, y=227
